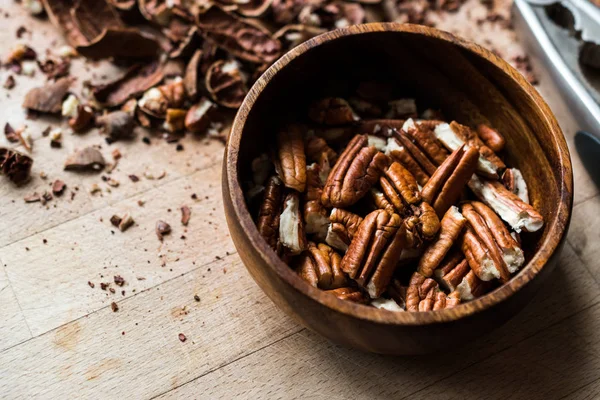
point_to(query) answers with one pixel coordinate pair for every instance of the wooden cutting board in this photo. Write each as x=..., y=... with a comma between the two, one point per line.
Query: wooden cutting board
x=60, y=338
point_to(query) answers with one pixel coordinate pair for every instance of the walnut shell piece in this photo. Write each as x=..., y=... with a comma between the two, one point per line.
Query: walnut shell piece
x=88, y=158
x=225, y=83
x=290, y=158
x=373, y=254
x=356, y=171
x=15, y=165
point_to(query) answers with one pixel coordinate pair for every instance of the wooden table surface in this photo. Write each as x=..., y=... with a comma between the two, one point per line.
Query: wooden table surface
x=59, y=337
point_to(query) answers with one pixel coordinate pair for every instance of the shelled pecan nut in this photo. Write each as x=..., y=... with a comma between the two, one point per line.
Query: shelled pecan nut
x=423, y=294
x=422, y=134
x=398, y=153
x=455, y=135
x=513, y=180
x=373, y=253
x=356, y=171
x=451, y=227
x=320, y=267
x=479, y=226
x=349, y=294
x=342, y=228
x=491, y=137
x=479, y=257
x=400, y=188
x=291, y=225
x=415, y=152
x=270, y=209
x=510, y=249
x=332, y=111
x=379, y=202
x=428, y=222
x=472, y=287
x=452, y=270
x=518, y=214
x=445, y=186
x=290, y=158
x=315, y=215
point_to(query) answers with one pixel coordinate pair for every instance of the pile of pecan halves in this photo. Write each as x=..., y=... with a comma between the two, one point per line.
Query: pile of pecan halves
x=356, y=206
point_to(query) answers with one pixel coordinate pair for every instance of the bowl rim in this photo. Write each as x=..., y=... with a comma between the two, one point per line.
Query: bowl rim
x=558, y=225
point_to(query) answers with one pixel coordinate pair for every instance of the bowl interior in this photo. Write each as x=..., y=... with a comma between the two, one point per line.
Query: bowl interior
x=467, y=83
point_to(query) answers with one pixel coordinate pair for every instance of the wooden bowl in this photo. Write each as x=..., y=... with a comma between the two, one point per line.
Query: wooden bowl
x=465, y=81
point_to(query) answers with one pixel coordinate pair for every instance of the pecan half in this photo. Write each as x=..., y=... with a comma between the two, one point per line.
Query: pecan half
x=379, y=201
x=350, y=294
x=307, y=271
x=510, y=249
x=268, y=216
x=317, y=150
x=486, y=237
x=326, y=263
x=291, y=225
x=423, y=294
x=416, y=153
x=400, y=187
x=422, y=134
x=451, y=227
x=373, y=254
x=513, y=180
x=452, y=270
x=455, y=135
x=290, y=160
x=315, y=215
x=402, y=109
x=445, y=186
x=491, y=137
x=355, y=172
x=478, y=256
x=332, y=111
x=518, y=214
x=344, y=225
x=399, y=153
x=472, y=287
x=428, y=222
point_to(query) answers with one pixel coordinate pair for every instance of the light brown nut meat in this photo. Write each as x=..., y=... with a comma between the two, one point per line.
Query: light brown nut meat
x=412, y=293
x=447, y=183
x=518, y=214
x=472, y=287
x=332, y=111
x=317, y=149
x=491, y=137
x=373, y=254
x=478, y=256
x=452, y=272
x=291, y=225
x=453, y=299
x=290, y=159
x=334, y=261
x=343, y=226
x=415, y=152
x=322, y=266
x=427, y=303
x=316, y=218
x=454, y=135
x=429, y=222
x=355, y=172
x=513, y=180
x=479, y=226
x=512, y=254
x=270, y=209
x=398, y=153
x=440, y=301
x=451, y=227
x=422, y=134
x=400, y=187
x=379, y=201
x=306, y=270
x=349, y=294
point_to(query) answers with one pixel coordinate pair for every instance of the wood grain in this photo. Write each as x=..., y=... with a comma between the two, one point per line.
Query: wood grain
x=239, y=344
